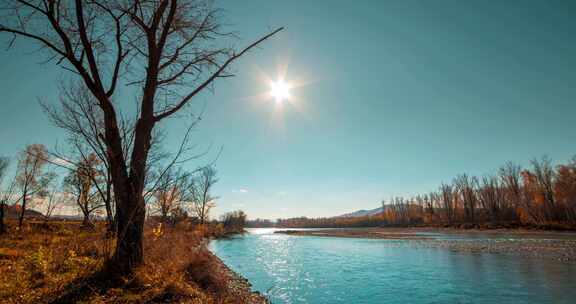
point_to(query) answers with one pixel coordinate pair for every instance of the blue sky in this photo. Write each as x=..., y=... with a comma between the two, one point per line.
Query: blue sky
x=399, y=96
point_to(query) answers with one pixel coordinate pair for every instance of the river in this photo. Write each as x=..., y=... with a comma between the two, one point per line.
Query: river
x=310, y=269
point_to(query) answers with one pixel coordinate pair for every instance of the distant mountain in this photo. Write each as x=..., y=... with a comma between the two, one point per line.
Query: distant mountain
x=13, y=212
x=361, y=213
x=67, y=217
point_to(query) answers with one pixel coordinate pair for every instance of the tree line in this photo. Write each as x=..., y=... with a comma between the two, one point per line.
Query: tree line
x=36, y=185
x=541, y=195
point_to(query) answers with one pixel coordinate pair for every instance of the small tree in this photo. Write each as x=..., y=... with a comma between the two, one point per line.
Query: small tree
x=234, y=221
x=202, y=199
x=31, y=178
x=81, y=184
x=171, y=192
x=565, y=189
x=464, y=186
x=448, y=203
x=50, y=202
x=545, y=176
x=511, y=177
x=78, y=113
x=490, y=197
x=4, y=195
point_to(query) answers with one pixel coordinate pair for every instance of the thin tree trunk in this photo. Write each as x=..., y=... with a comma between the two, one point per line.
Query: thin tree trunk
x=2, y=227
x=22, y=211
x=86, y=221
x=108, y=204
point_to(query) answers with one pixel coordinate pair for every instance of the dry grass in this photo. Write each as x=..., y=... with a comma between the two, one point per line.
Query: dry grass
x=60, y=262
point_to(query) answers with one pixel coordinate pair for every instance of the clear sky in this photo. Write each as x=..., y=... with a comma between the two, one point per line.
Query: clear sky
x=399, y=96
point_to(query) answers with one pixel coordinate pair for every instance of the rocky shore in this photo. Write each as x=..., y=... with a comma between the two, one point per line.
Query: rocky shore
x=239, y=285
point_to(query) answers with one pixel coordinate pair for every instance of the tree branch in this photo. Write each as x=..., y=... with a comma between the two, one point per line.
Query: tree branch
x=215, y=75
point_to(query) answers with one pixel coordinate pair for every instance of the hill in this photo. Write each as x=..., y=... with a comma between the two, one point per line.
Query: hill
x=13, y=211
x=362, y=213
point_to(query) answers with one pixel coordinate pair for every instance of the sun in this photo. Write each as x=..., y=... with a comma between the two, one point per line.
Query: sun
x=280, y=90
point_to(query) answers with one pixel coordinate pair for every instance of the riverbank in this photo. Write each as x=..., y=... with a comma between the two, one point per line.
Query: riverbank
x=237, y=285
x=62, y=262
x=559, y=246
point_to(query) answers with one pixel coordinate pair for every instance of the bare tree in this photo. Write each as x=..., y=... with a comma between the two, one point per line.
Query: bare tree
x=465, y=187
x=426, y=203
x=201, y=198
x=171, y=192
x=169, y=48
x=490, y=197
x=50, y=202
x=31, y=178
x=510, y=176
x=79, y=114
x=234, y=221
x=545, y=176
x=430, y=201
x=565, y=189
x=81, y=184
x=166, y=197
x=4, y=195
x=448, y=204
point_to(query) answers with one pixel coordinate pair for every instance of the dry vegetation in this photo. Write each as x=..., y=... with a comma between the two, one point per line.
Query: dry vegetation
x=61, y=262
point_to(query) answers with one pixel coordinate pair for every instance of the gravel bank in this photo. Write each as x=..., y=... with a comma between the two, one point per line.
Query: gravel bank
x=561, y=250
x=535, y=244
x=238, y=285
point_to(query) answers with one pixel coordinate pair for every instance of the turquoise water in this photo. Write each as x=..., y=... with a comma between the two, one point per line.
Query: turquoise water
x=306, y=269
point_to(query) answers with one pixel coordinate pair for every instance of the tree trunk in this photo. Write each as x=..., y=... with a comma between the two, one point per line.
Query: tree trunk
x=2, y=227
x=109, y=218
x=108, y=203
x=86, y=221
x=22, y=211
x=130, y=207
x=130, y=215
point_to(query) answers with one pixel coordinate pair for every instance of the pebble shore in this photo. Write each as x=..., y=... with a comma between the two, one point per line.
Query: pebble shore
x=559, y=246
x=239, y=285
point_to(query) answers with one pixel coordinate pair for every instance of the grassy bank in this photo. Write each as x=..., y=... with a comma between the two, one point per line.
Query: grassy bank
x=61, y=262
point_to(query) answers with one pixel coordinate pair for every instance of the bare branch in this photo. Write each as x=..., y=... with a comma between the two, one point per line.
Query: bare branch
x=215, y=75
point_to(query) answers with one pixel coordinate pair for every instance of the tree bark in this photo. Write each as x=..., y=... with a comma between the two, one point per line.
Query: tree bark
x=129, y=193
x=108, y=205
x=22, y=211
x=2, y=227
x=130, y=216
x=86, y=221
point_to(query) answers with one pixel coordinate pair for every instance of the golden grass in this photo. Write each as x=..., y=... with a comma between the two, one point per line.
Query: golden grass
x=60, y=262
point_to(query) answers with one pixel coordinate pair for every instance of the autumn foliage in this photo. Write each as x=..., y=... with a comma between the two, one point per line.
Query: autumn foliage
x=541, y=196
